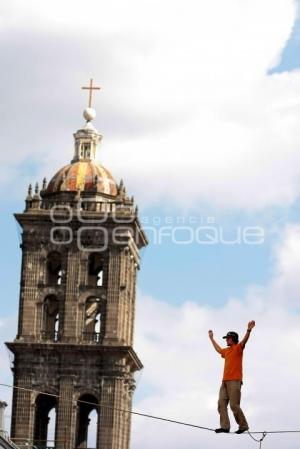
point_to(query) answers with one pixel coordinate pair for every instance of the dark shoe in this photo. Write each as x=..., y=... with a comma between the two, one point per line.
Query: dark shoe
x=222, y=430
x=242, y=430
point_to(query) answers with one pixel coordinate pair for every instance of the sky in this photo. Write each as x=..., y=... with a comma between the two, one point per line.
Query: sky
x=199, y=109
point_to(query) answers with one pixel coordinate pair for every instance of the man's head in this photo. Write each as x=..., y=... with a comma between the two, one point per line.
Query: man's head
x=232, y=338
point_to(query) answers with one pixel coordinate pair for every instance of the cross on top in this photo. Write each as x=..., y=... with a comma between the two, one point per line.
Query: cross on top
x=91, y=88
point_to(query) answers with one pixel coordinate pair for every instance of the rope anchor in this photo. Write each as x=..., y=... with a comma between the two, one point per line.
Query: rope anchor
x=260, y=441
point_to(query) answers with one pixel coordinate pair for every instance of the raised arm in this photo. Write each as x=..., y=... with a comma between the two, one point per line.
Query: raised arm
x=215, y=344
x=251, y=325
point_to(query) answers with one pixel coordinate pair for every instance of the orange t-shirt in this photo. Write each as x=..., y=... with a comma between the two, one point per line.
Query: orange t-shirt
x=233, y=368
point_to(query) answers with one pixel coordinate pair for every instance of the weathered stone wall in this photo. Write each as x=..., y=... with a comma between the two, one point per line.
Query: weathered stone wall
x=66, y=364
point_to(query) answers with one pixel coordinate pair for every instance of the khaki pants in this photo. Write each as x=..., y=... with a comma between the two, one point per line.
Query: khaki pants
x=230, y=392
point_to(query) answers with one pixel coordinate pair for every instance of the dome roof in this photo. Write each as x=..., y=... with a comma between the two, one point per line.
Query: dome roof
x=84, y=176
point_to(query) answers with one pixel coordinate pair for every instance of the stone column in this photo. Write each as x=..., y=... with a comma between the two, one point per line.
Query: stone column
x=3, y=406
x=29, y=283
x=65, y=426
x=71, y=297
x=22, y=424
x=106, y=417
x=113, y=292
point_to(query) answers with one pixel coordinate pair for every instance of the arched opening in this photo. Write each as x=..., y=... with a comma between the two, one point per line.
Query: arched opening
x=98, y=323
x=45, y=421
x=93, y=319
x=86, y=150
x=50, y=329
x=59, y=275
x=51, y=428
x=95, y=270
x=92, y=429
x=87, y=422
x=54, y=269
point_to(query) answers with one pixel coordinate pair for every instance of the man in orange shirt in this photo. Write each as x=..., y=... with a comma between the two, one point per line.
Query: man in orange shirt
x=230, y=391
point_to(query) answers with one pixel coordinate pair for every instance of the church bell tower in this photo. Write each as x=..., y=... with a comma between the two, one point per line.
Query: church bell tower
x=73, y=354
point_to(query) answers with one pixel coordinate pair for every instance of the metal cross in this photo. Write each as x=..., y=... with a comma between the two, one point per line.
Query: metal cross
x=91, y=88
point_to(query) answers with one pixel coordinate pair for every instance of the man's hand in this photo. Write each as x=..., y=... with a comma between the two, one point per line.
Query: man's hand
x=251, y=325
x=215, y=344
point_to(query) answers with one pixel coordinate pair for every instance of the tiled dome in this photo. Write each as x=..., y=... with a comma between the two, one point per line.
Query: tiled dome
x=83, y=176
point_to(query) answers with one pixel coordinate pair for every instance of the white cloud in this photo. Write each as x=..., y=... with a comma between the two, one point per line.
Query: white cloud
x=183, y=372
x=286, y=287
x=187, y=110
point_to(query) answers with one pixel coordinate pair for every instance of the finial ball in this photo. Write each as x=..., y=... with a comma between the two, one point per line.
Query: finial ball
x=89, y=114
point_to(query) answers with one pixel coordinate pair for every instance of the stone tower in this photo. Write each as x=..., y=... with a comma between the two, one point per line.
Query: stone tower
x=80, y=254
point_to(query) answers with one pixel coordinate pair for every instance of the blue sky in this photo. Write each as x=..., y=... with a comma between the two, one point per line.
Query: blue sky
x=224, y=145
x=290, y=55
